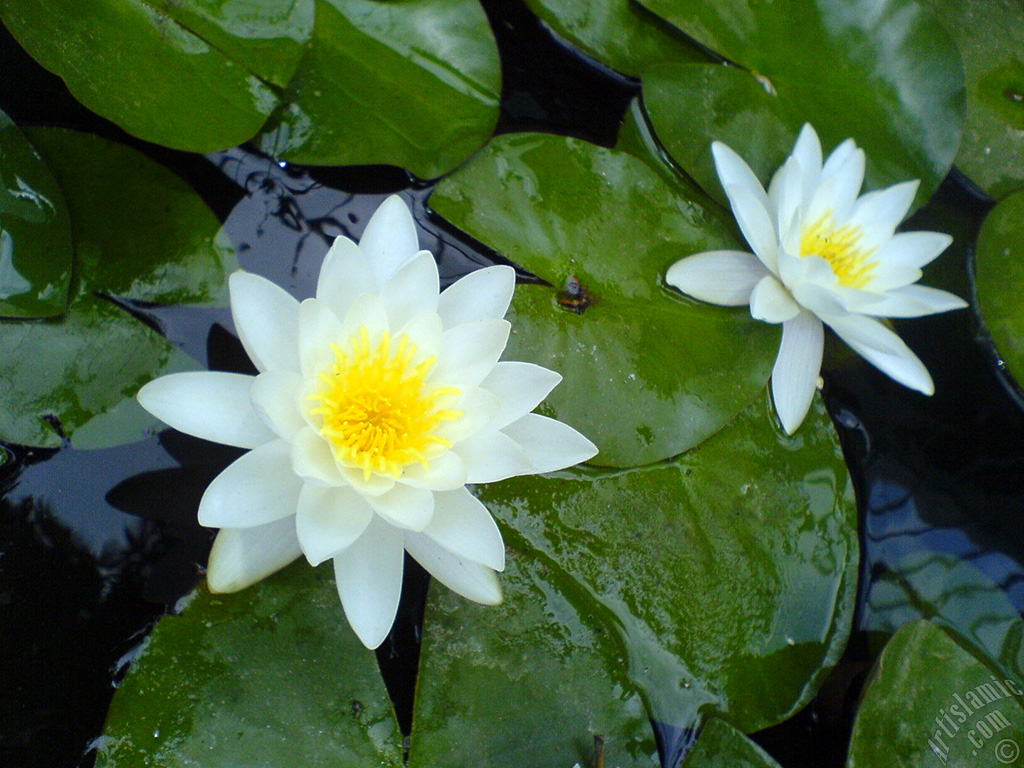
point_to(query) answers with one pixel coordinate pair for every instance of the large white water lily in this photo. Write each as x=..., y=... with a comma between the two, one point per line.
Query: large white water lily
x=822, y=253
x=376, y=402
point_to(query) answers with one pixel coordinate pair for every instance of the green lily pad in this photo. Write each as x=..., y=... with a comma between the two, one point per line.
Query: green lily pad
x=620, y=33
x=955, y=595
x=414, y=84
x=157, y=79
x=271, y=676
x=82, y=370
x=529, y=682
x=891, y=79
x=722, y=746
x=729, y=573
x=990, y=34
x=999, y=279
x=931, y=702
x=647, y=372
x=35, y=231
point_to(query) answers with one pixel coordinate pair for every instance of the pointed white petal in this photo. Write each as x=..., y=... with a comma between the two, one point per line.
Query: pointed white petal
x=462, y=576
x=479, y=407
x=756, y=224
x=807, y=153
x=412, y=290
x=884, y=207
x=242, y=556
x=374, y=485
x=426, y=332
x=718, y=277
x=463, y=526
x=796, y=370
x=319, y=327
x=367, y=311
x=390, y=238
x=266, y=320
x=344, y=275
x=848, y=179
x=884, y=350
x=257, y=488
x=549, y=443
x=733, y=171
x=369, y=577
x=405, y=506
x=329, y=520
x=469, y=352
x=492, y=456
x=311, y=458
x=914, y=249
x=275, y=396
x=520, y=387
x=445, y=473
x=785, y=196
x=209, y=404
x=914, y=301
x=480, y=295
x=772, y=303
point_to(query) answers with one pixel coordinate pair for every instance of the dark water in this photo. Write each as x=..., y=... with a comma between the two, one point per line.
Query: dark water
x=95, y=546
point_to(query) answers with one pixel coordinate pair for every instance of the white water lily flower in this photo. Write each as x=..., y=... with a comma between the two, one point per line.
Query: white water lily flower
x=821, y=255
x=375, y=404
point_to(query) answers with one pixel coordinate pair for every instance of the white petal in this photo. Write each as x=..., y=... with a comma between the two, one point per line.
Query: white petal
x=368, y=312
x=771, y=302
x=412, y=290
x=374, y=485
x=756, y=224
x=480, y=295
x=479, y=407
x=469, y=352
x=848, y=179
x=257, y=488
x=426, y=332
x=390, y=238
x=445, y=473
x=914, y=301
x=718, y=277
x=266, y=320
x=462, y=576
x=311, y=457
x=275, y=396
x=405, y=507
x=807, y=152
x=493, y=456
x=242, y=556
x=549, y=443
x=463, y=526
x=329, y=520
x=796, y=370
x=319, y=327
x=884, y=207
x=885, y=350
x=914, y=249
x=369, y=577
x=344, y=275
x=211, y=405
x=786, y=196
x=733, y=171
x=520, y=387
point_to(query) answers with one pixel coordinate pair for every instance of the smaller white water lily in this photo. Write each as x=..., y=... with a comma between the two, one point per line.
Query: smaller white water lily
x=376, y=402
x=823, y=253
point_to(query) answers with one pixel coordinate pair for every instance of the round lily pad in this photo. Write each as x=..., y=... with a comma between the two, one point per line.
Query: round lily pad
x=647, y=372
x=728, y=574
x=999, y=275
x=930, y=702
x=35, y=231
x=891, y=79
x=155, y=76
x=414, y=84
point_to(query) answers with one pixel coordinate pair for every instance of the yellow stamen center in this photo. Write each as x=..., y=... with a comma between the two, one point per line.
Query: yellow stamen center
x=378, y=415
x=840, y=247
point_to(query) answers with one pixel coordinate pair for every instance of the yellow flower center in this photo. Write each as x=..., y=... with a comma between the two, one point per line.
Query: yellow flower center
x=378, y=415
x=839, y=246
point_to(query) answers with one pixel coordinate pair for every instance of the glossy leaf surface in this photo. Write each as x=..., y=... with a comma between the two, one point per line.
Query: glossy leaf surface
x=140, y=68
x=647, y=372
x=990, y=35
x=728, y=574
x=722, y=746
x=529, y=682
x=930, y=702
x=999, y=274
x=271, y=676
x=413, y=84
x=620, y=33
x=890, y=78
x=35, y=231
